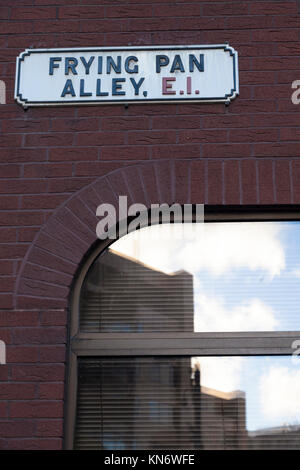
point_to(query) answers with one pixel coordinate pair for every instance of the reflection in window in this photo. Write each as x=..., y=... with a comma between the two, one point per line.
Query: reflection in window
x=210, y=403
x=215, y=277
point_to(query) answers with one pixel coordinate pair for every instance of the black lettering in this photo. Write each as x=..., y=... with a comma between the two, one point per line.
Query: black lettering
x=177, y=64
x=70, y=64
x=199, y=64
x=129, y=59
x=88, y=64
x=137, y=86
x=111, y=64
x=161, y=61
x=68, y=89
x=98, y=89
x=116, y=86
x=82, y=92
x=53, y=65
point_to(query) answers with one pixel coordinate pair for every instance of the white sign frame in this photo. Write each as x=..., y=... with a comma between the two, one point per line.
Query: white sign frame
x=232, y=90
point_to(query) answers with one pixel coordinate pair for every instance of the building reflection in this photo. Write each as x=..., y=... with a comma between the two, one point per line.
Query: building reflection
x=154, y=402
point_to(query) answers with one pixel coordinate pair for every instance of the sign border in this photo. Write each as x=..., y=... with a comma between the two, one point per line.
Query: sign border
x=223, y=99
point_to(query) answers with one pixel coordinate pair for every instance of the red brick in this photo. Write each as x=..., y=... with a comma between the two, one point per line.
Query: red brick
x=177, y=122
x=227, y=121
x=95, y=168
x=32, y=271
x=176, y=151
x=283, y=183
x=296, y=181
x=286, y=21
x=49, y=140
x=52, y=354
x=103, y=26
x=226, y=150
x=9, y=202
x=49, y=335
x=276, y=35
x=249, y=182
x=17, y=27
x=54, y=318
x=8, y=251
x=18, y=318
x=21, y=218
x=6, y=267
x=275, y=63
x=51, y=391
x=23, y=155
x=74, y=125
x=277, y=149
x=73, y=154
x=215, y=183
x=225, y=9
x=253, y=135
x=6, y=301
x=279, y=91
x=17, y=428
x=28, y=125
x=36, y=409
x=182, y=182
x=3, y=410
x=8, y=235
x=27, y=234
x=34, y=13
x=249, y=22
x=56, y=26
x=46, y=259
x=37, y=170
x=231, y=182
x=130, y=11
x=10, y=171
x=266, y=182
x=43, y=201
x=197, y=182
x=7, y=283
x=124, y=123
x=101, y=138
x=38, y=373
x=20, y=354
x=194, y=136
x=10, y=140
x=151, y=137
x=172, y=10
x=34, y=444
x=125, y=153
x=290, y=133
x=273, y=8
x=65, y=185
x=81, y=12
x=49, y=428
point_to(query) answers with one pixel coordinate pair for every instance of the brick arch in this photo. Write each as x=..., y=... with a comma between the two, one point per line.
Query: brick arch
x=49, y=266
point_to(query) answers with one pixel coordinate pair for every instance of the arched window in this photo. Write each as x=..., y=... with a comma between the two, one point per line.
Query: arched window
x=185, y=337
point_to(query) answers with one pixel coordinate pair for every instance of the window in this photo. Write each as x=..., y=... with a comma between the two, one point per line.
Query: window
x=182, y=338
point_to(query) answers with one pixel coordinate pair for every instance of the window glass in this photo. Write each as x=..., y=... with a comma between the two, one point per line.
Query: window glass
x=212, y=277
x=176, y=403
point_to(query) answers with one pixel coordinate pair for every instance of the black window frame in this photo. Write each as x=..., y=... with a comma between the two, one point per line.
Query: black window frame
x=81, y=344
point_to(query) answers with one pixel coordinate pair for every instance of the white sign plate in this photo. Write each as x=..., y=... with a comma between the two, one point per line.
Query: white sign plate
x=127, y=74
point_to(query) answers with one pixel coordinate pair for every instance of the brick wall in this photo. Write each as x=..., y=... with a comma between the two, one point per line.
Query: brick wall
x=56, y=164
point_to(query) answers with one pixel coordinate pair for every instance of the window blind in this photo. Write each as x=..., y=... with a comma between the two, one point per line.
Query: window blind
x=161, y=403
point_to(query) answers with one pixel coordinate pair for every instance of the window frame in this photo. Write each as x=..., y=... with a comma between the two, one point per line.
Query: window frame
x=170, y=344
